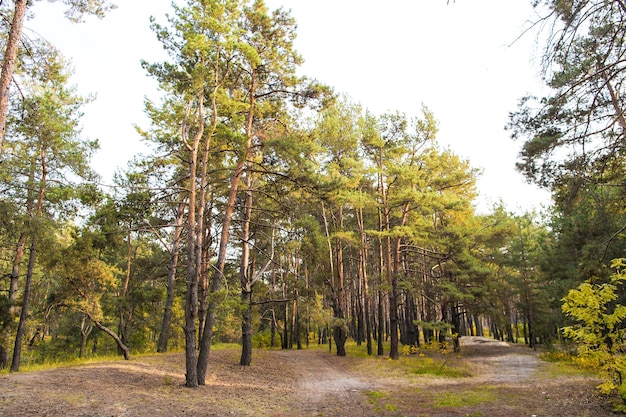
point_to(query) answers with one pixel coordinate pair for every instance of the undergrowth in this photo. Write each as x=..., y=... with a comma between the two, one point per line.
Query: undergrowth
x=34, y=363
x=466, y=398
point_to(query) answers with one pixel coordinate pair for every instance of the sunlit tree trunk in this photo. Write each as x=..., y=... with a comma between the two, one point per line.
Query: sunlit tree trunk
x=244, y=277
x=191, y=298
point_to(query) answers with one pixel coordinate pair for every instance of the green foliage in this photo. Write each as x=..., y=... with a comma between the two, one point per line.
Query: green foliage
x=424, y=365
x=377, y=398
x=599, y=330
x=466, y=398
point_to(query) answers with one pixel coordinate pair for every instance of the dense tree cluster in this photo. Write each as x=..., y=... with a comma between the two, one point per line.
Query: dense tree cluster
x=273, y=211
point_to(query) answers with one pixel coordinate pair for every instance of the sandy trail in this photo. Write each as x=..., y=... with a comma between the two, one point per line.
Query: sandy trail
x=321, y=383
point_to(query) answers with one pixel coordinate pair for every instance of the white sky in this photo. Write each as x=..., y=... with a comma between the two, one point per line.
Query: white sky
x=455, y=58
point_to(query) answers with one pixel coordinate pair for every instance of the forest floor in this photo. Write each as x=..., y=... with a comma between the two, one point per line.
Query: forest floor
x=494, y=379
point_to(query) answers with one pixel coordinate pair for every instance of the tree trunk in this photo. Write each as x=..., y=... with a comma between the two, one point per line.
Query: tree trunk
x=380, y=337
x=336, y=284
x=19, y=335
x=191, y=298
x=166, y=323
x=123, y=305
x=85, y=331
x=15, y=271
x=285, y=339
x=381, y=319
x=392, y=280
x=246, y=329
x=244, y=277
x=340, y=333
x=17, y=349
x=8, y=65
x=12, y=308
x=218, y=275
x=121, y=346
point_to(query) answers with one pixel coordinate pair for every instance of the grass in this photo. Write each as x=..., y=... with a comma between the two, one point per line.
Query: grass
x=62, y=363
x=564, y=364
x=434, y=367
x=29, y=364
x=428, y=362
x=377, y=397
x=465, y=398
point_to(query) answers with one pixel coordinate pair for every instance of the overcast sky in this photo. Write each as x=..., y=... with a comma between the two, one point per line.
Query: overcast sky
x=463, y=60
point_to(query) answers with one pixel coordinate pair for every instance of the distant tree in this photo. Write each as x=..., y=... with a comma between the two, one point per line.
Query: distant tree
x=341, y=172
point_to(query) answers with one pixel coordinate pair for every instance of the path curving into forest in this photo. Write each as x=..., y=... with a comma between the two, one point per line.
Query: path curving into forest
x=322, y=384
x=495, y=361
x=326, y=385
x=303, y=383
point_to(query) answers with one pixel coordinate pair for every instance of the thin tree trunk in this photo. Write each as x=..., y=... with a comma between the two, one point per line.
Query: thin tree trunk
x=123, y=303
x=191, y=298
x=111, y=333
x=13, y=291
x=85, y=331
x=17, y=349
x=246, y=329
x=392, y=280
x=19, y=335
x=15, y=271
x=244, y=278
x=8, y=65
x=166, y=323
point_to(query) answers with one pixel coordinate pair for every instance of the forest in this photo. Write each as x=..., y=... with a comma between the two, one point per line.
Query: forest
x=274, y=212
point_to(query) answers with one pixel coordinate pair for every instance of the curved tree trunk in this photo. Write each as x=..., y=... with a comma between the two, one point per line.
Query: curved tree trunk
x=122, y=347
x=216, y=283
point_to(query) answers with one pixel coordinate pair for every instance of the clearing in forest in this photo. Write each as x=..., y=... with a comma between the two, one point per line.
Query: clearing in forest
x=489, y=378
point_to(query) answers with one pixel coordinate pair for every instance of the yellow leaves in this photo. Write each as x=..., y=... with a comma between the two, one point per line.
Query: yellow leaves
x=598, y=329
x=411, y=350
x=606, y=387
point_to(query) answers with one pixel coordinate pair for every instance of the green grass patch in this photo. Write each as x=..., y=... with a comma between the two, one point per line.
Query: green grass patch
x=565, y=364
x=467, y=398
x=377, y=399
x=375, y=396
x=63, y=363
x=434, y=367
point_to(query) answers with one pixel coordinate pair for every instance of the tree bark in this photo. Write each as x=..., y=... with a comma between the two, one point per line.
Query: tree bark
x=8, y=65
x=19, y=335
x=17, y=349
x=122, y=347
x=191, y=298
x=85, y=331
x=244, y=277
x=216, y=282
x=246, y=329
x=166, y=323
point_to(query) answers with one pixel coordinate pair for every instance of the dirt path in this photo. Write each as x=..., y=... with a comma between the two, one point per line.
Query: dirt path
x=303, y=383
x=323, y=384
x=499, y=362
